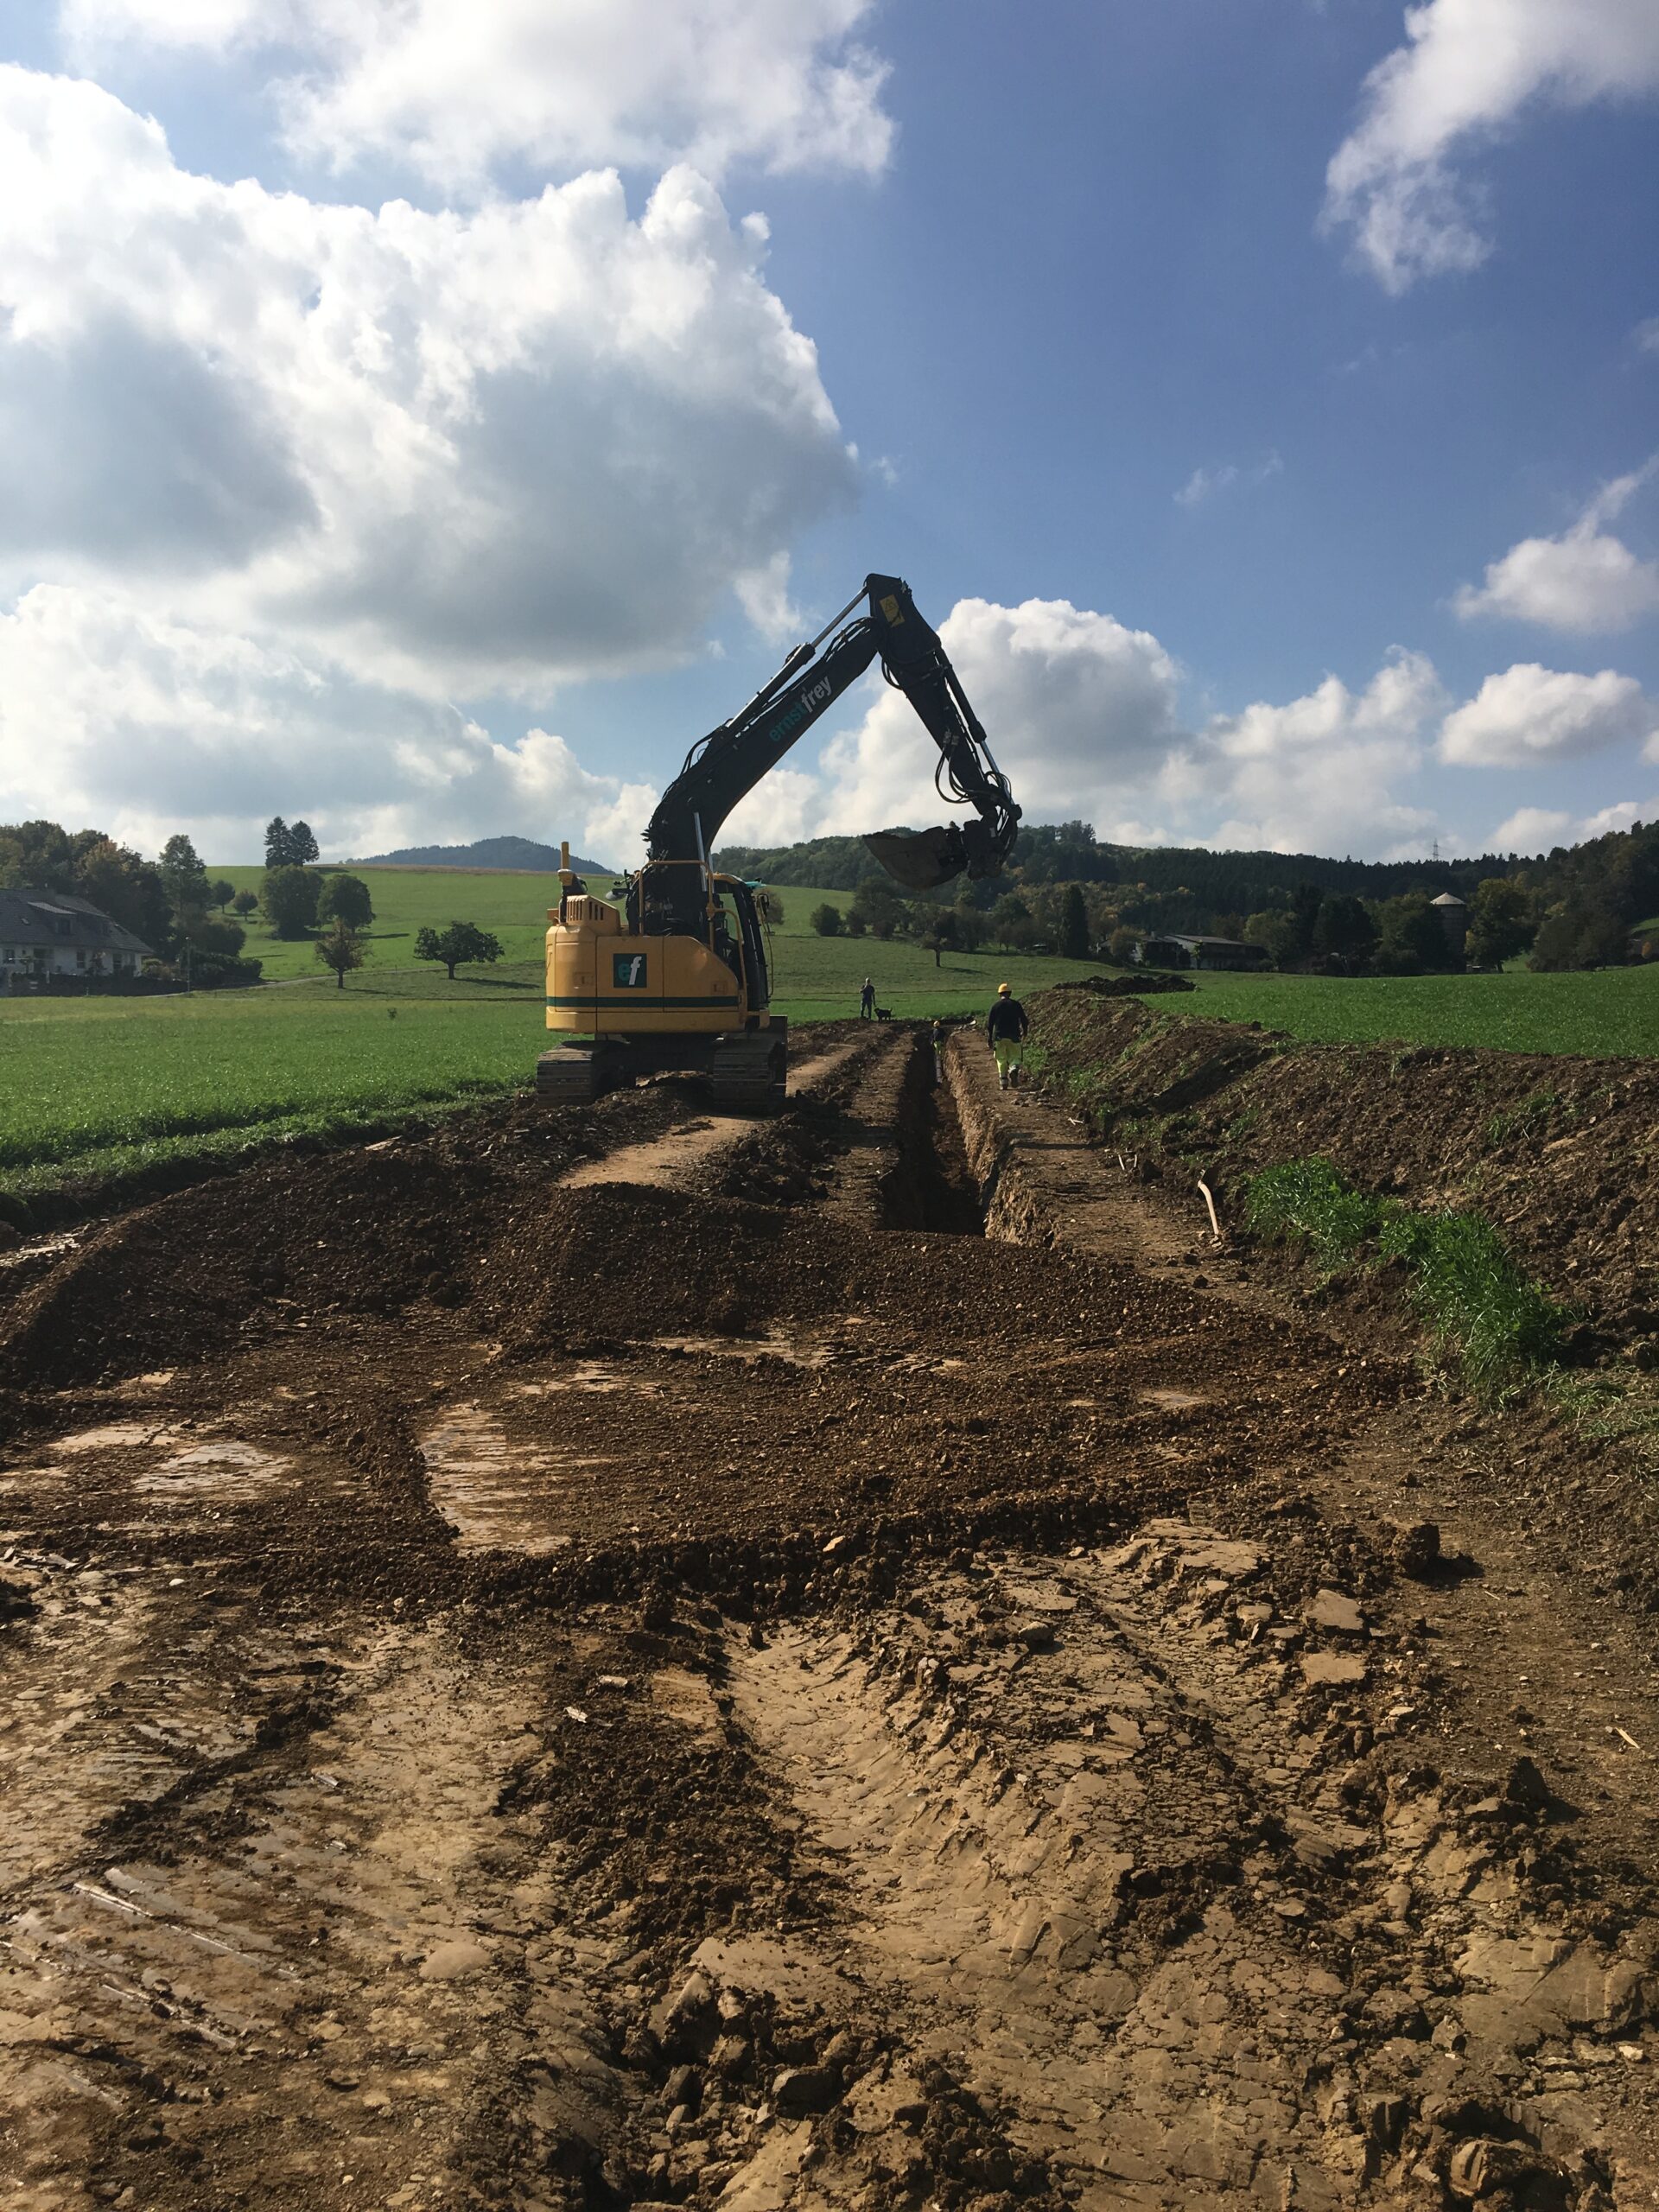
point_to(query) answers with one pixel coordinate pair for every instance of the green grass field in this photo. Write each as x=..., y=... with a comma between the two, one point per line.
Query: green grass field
x=1610, y=1013
x=96, y=1089
x=814, y=978
x=101, y=1088
x=406, y=899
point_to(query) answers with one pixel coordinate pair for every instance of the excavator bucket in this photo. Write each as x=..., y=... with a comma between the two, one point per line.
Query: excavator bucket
x=920, y=859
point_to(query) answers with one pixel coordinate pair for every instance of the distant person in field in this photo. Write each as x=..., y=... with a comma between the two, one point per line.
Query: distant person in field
x=867, y=1001
x=1005, y=1026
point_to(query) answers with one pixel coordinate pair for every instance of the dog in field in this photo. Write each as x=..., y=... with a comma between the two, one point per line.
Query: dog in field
x=884, y=1013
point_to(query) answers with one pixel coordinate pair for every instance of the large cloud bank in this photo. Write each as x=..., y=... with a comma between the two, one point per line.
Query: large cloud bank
x=112, y=714
x=534, y=441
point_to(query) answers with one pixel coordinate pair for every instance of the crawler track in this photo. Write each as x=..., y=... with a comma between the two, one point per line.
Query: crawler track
x=649, y=1661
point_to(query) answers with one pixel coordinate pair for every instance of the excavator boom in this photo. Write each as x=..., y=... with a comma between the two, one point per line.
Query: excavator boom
x=723, y=768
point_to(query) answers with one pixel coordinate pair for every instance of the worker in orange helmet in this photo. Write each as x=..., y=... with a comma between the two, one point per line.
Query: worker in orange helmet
x=1005, y=1026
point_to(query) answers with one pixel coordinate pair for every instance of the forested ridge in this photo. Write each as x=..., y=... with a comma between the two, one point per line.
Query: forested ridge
x=1575, y=906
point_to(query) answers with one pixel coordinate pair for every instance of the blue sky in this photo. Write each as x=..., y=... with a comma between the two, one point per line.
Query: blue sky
x=1260, y=499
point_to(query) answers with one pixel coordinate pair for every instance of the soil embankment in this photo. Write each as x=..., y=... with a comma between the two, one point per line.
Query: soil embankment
x=837, y=1662
x=1561, y=1155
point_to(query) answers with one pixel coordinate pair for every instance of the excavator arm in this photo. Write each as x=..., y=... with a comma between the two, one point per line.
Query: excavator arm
x=723, y=768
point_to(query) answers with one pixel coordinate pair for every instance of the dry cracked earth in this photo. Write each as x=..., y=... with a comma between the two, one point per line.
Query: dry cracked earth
x=616, y=1658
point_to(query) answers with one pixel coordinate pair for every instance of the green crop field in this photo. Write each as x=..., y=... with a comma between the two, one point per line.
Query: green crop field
x=102, y=1087
x=97, y=1088
x=1610, y=1013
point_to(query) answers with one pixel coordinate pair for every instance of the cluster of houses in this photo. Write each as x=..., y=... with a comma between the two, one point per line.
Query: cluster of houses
x=48, y=937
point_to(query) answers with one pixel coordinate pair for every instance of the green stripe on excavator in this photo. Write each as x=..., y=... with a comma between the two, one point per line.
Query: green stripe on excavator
x=619, y=1005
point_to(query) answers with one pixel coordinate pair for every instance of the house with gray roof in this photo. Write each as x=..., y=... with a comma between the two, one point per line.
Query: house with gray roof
x=50, y=935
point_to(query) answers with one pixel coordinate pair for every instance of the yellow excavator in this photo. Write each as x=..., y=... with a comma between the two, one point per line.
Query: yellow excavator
x=671, y=972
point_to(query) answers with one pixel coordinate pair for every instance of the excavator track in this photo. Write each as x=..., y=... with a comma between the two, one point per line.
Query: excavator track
x=749, y=1074
x=573, y=1076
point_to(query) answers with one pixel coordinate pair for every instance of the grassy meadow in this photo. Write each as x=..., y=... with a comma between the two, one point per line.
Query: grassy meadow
x=96, y=1090
x=1610, y=1013
x=109, y=1088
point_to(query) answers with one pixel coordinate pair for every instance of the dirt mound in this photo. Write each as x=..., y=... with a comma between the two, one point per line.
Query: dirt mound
x=1150, y=985
x=649, y=1262
x=1556, y=1151
x=366, y=1231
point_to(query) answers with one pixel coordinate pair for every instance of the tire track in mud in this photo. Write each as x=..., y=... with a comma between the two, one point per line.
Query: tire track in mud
x=307, y=1983
x=1102, y=1839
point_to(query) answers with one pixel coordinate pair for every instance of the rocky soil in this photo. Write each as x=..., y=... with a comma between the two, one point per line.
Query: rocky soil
x=612, y=1658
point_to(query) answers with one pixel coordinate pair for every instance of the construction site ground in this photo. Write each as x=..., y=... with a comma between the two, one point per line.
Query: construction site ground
x=611, y=1657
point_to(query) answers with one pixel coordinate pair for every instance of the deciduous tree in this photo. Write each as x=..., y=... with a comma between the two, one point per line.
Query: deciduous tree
x=340, y=949
x=291, y=899
x=462, y=942
x=346, y=899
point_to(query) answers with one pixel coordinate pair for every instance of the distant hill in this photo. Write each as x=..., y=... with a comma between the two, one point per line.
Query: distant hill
x=485, y=851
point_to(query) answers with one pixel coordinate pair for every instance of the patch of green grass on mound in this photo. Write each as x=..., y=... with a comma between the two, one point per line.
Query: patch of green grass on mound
x=1502, y=1330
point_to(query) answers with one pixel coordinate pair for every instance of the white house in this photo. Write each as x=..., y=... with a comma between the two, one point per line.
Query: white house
x=46, y=933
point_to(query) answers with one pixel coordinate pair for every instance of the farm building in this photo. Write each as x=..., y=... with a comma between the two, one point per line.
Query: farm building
x=1176, y=951
x=47, y=934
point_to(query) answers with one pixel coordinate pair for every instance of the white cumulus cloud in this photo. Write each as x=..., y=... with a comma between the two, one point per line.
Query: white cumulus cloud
x=1076, y=705
x=535, y=442
x=457, y=88
x=113, y=715
x=1586, y=580
x=1531, y=829
x=1084, y=715
x=1319, y=774
x=1528, y=713
x=1468, y=70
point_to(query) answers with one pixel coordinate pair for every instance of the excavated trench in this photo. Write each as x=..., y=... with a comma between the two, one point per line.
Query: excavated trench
x=644, y=1663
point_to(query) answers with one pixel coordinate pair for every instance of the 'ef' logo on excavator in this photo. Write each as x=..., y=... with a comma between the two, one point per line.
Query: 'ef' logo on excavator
x=627, y=971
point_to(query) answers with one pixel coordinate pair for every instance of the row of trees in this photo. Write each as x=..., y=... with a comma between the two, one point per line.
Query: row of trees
x=1574, y=907
x=1056, y=919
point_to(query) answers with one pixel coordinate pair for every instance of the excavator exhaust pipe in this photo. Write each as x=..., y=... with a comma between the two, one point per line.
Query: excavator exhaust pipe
x=920, y=859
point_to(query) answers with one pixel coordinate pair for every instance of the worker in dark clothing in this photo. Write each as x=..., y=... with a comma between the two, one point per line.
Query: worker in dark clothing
x=1005, y=1026
x=938, y=1050
x=866, y=1000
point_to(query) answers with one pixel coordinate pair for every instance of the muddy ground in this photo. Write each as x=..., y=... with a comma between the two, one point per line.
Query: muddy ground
x=621, y=1658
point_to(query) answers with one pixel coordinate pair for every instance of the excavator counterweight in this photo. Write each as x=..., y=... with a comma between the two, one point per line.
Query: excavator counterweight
x=678, y=978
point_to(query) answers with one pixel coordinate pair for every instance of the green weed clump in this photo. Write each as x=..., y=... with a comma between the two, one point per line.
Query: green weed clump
x=1526, y=1119
x=1502, y=1329
x=1307, y=1199
x=1505, y=1328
